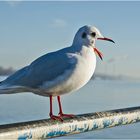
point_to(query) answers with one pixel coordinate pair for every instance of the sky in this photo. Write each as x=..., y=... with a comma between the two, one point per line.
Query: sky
x=30, y=29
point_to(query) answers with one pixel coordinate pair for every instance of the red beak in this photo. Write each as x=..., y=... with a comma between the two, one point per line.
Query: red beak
x=98, y=53
x=107, y=39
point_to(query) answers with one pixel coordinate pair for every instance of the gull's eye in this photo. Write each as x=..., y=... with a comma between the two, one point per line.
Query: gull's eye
x=93, y=34
x=84, y=35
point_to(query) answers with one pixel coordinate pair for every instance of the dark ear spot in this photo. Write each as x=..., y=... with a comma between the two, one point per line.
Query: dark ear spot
x=84, y=35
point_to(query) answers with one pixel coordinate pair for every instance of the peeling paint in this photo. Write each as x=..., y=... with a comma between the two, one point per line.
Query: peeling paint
x=25, y=136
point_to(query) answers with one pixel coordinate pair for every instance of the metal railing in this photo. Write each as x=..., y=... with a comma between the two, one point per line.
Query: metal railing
x=43, y=129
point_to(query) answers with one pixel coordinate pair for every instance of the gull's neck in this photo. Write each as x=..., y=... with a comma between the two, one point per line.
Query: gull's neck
x=81, y=48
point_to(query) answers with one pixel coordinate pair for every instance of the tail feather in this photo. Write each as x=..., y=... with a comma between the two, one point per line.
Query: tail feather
x=5, y=89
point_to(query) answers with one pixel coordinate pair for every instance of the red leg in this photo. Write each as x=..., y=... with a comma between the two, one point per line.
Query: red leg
x=53, y=117
x=61, y=114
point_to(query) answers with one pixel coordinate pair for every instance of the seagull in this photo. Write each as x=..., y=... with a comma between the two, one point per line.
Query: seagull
x=60, y=72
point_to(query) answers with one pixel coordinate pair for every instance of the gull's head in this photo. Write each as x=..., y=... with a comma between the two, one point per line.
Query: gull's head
x=87, y=35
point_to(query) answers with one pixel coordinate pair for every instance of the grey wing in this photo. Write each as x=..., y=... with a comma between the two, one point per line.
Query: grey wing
x=45, y=68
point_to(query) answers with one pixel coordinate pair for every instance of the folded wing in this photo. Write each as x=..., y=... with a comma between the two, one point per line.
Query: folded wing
x=45, y=68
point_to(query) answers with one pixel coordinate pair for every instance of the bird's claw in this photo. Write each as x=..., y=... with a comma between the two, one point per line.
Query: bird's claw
x=66, y=115
x=61, y=116
x=53, y=117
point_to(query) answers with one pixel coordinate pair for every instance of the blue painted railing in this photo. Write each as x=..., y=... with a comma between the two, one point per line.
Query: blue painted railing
x=42, y=129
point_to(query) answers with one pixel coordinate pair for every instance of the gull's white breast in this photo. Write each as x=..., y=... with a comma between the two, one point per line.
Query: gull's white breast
x=72, y=79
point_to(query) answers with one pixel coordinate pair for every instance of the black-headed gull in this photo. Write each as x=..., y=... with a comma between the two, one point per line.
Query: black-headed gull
x=59, y=72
